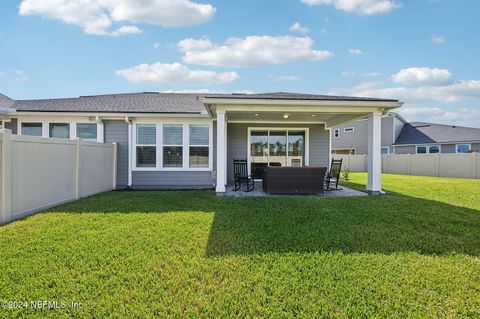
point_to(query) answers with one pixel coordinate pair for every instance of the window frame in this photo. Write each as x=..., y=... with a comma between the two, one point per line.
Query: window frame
x=72, y=121
x=146, y=145
x=83, y=139
x=469, y=148
x=185, y=150
x=350, y=129
x=385, y=147
x=20, y=130
x=428, y=149
x=199, y=145
x=69, y=124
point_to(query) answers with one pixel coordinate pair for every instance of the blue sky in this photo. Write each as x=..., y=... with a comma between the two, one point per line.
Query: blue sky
x=423, y=52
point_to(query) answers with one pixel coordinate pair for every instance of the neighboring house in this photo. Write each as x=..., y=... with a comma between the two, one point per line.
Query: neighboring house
x=401, y=137
x=423, y=138
x=169, y=140
x=6, y=109
x=352, y=138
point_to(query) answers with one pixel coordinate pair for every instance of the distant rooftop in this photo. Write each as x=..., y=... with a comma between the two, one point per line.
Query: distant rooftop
x=424, y=133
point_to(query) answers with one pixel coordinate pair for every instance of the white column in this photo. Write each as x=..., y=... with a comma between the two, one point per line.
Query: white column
x=221, y=151
x=226, y=150
x=374, y=165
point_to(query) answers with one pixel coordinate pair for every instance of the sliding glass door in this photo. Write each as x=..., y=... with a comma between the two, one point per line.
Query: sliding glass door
x=275, y=147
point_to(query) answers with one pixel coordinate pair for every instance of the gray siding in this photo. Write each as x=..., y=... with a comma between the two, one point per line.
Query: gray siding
x=410, y=149
x=358, y=139
x=117, y=131
x=172, y=179
x=448, y=148
x=237, y=139
x=12, y=126
x=476, y=147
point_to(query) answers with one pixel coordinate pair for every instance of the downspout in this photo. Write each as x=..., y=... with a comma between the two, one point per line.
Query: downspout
x=127, y=120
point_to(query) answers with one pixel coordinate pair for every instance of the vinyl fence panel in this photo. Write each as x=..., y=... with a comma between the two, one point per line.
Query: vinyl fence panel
x=37, y=173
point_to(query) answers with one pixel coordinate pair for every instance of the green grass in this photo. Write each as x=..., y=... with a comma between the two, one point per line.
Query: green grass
x=192, y=254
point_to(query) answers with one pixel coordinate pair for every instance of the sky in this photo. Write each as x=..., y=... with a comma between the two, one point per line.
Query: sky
x=423, y=52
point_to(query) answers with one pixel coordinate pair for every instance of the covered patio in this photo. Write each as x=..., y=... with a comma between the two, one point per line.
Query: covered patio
x=267, y=129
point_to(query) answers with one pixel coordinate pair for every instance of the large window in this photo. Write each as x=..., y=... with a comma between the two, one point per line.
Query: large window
x=87, y=131
x=32, y=129
x=146, y=145
x=199, y=145
x=59, y=130
x=276, y=147
x=172, y=145
x=428, y=149
x=464, y=148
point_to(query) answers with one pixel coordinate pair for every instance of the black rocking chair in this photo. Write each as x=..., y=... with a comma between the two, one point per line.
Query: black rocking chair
x=332, y=177
x=240, y=175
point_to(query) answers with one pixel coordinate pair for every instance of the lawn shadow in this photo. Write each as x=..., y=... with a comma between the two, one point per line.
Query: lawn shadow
x=386, y=225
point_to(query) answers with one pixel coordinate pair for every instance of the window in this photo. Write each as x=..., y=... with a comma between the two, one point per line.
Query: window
x=348, y=129
x=32, y=129
x=87, y=131
x=385, y=150
x=336, y=133
x=199, y=145
x=464, y=148
x=428, y=149
x=146, y=145
x=172, y=145
x=59, y=130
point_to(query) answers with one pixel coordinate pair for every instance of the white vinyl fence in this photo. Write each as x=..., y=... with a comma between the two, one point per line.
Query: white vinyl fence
x=465, y=165
x=37, y=173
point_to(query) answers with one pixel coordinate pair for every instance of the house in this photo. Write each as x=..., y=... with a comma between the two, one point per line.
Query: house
x=5, y=108
x=351, y=138
x=186, y=140
x=402, y=137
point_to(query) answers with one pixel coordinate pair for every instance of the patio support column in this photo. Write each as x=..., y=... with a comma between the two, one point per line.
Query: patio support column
x=374, y=163
x=221, y=151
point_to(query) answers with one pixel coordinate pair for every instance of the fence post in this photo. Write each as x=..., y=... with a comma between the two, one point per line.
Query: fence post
x=77, y=168
x=6, y=175
x=114, y=179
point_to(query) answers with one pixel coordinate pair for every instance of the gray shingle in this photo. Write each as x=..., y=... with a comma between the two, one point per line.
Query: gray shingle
x=424, y=133
x=153, y=102
x=5, y=101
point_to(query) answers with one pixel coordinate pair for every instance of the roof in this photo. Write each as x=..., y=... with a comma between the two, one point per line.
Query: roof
x=424, y=133
x=5, y=101
x=155, y=102
x=297, y=96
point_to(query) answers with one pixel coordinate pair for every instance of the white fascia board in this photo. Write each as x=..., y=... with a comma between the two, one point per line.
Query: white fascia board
x=112, y=115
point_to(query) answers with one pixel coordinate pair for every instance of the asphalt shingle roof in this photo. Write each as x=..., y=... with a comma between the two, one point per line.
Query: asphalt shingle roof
x=154, y=102
x=299, y=96
x=5, y=101
x=421, y=133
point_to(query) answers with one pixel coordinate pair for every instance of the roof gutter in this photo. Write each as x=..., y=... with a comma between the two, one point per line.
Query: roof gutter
x=272, y=102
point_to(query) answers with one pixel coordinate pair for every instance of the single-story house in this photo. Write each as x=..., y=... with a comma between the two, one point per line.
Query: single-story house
x=402, y=137
x=186, y=140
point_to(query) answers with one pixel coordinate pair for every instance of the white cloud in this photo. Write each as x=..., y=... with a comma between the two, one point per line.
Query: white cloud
x=98, y=16
x=437, y=39
x=323, y=31
x=422, y=76
x=156, y=45
x=250, y=51
x=362, y=7
x=450, y=93
x=355, y=51
x=282, y=78
x=297, y=27
x=174, y=73
x=461, y=116
x=15, y=75
x=348, y=74
x=208, y=91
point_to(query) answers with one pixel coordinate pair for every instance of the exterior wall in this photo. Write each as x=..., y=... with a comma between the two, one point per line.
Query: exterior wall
x=448, y=148
x=444, y=148
x=408, y=149
x=358, y=139
x=12, y=126
x=237, y=139
x=117, y=131
x=476, y=147
x=172, y=180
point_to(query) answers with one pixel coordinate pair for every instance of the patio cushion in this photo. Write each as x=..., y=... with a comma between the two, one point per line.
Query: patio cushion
x=293, y=180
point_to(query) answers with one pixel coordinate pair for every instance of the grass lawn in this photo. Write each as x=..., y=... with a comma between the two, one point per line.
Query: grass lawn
x=192, y=254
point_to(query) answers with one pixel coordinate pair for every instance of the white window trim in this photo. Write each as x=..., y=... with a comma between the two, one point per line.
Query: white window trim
x=203, y=145
x=159, y=144
x=307, y=141
x=469, y=147
x=388, y=150
x=428, y=149
x=72, y=126
x=336, y=131
x=350, y=130
x=146, y=145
